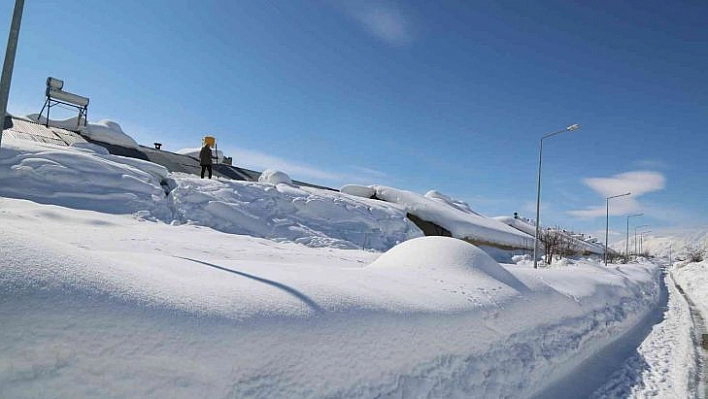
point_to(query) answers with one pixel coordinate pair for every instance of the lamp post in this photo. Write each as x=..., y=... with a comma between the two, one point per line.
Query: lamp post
x=635, y=237
x=607, y=220
x=641, y=240
x=626, y=250
x=670, y=245
x=570, y=128
x=9, y=63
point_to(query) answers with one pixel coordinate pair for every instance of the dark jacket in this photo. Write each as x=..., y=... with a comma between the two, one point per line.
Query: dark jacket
x=205, y=155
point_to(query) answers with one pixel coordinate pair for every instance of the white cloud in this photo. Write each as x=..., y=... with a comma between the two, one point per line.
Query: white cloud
x=637, y=183
x=387, y=22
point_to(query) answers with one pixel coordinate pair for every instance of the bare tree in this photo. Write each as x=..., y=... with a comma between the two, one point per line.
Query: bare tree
x=551, y=239
x=695, y=254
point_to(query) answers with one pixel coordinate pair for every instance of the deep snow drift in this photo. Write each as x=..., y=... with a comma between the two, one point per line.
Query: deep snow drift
x=111, y=287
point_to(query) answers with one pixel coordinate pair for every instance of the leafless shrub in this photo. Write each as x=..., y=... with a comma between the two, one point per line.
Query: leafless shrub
x=695, y=254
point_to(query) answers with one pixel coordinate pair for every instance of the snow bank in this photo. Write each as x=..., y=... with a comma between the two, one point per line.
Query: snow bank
x=693, y=278
x=314, y=217
x=82, y=177
x=135, y=309
x=665, y=364
x=453, y=215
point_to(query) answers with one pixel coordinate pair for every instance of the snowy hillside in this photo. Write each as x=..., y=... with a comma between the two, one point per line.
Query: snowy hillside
x=680, y=241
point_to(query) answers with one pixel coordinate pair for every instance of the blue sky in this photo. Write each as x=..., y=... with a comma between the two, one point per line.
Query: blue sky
x=419, y=95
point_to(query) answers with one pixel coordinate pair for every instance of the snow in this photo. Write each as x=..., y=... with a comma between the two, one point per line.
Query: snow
x=274, y=177
x=105, y=130
x=664, y=365
x=281, y=212
x=453, y=215
x=120, y=279
x=693, y=277
x=528, y=227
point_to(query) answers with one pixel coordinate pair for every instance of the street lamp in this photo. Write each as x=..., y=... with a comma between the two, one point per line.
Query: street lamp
x=607, y=220
x=9, y=63
x=570, y=128
x=635, y=237
x=641, y=240
x=626, y=250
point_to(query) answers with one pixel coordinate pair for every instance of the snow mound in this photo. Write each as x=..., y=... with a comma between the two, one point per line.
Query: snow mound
x=282, y=212
x=358, y=191
x=110, y=132
x=274, y=177
x=82, y=177
x=445, y=254
x=105, y=130
x=461, y=205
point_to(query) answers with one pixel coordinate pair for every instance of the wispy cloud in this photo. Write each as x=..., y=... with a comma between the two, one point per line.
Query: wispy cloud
x=383, y=20
x=637, y=182
x=260, y=161
x=368, y=172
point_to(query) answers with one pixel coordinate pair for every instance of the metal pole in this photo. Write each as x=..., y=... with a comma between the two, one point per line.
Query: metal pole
x=607, y=221
x=669, y=255
x=538, y=207
x=570, y=128
x=607, y=225
x=635, y=237
x=626, y=249
x=9, y=61
x=626, y=241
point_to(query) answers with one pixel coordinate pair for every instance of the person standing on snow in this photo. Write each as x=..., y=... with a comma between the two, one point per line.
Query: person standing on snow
x=205, y=159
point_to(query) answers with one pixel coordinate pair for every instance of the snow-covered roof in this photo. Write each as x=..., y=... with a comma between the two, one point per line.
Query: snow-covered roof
x=105, y=131
x=453, y=215
x=528, y=227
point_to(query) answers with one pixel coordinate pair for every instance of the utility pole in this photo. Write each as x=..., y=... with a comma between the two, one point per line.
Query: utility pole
x=9, y=61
